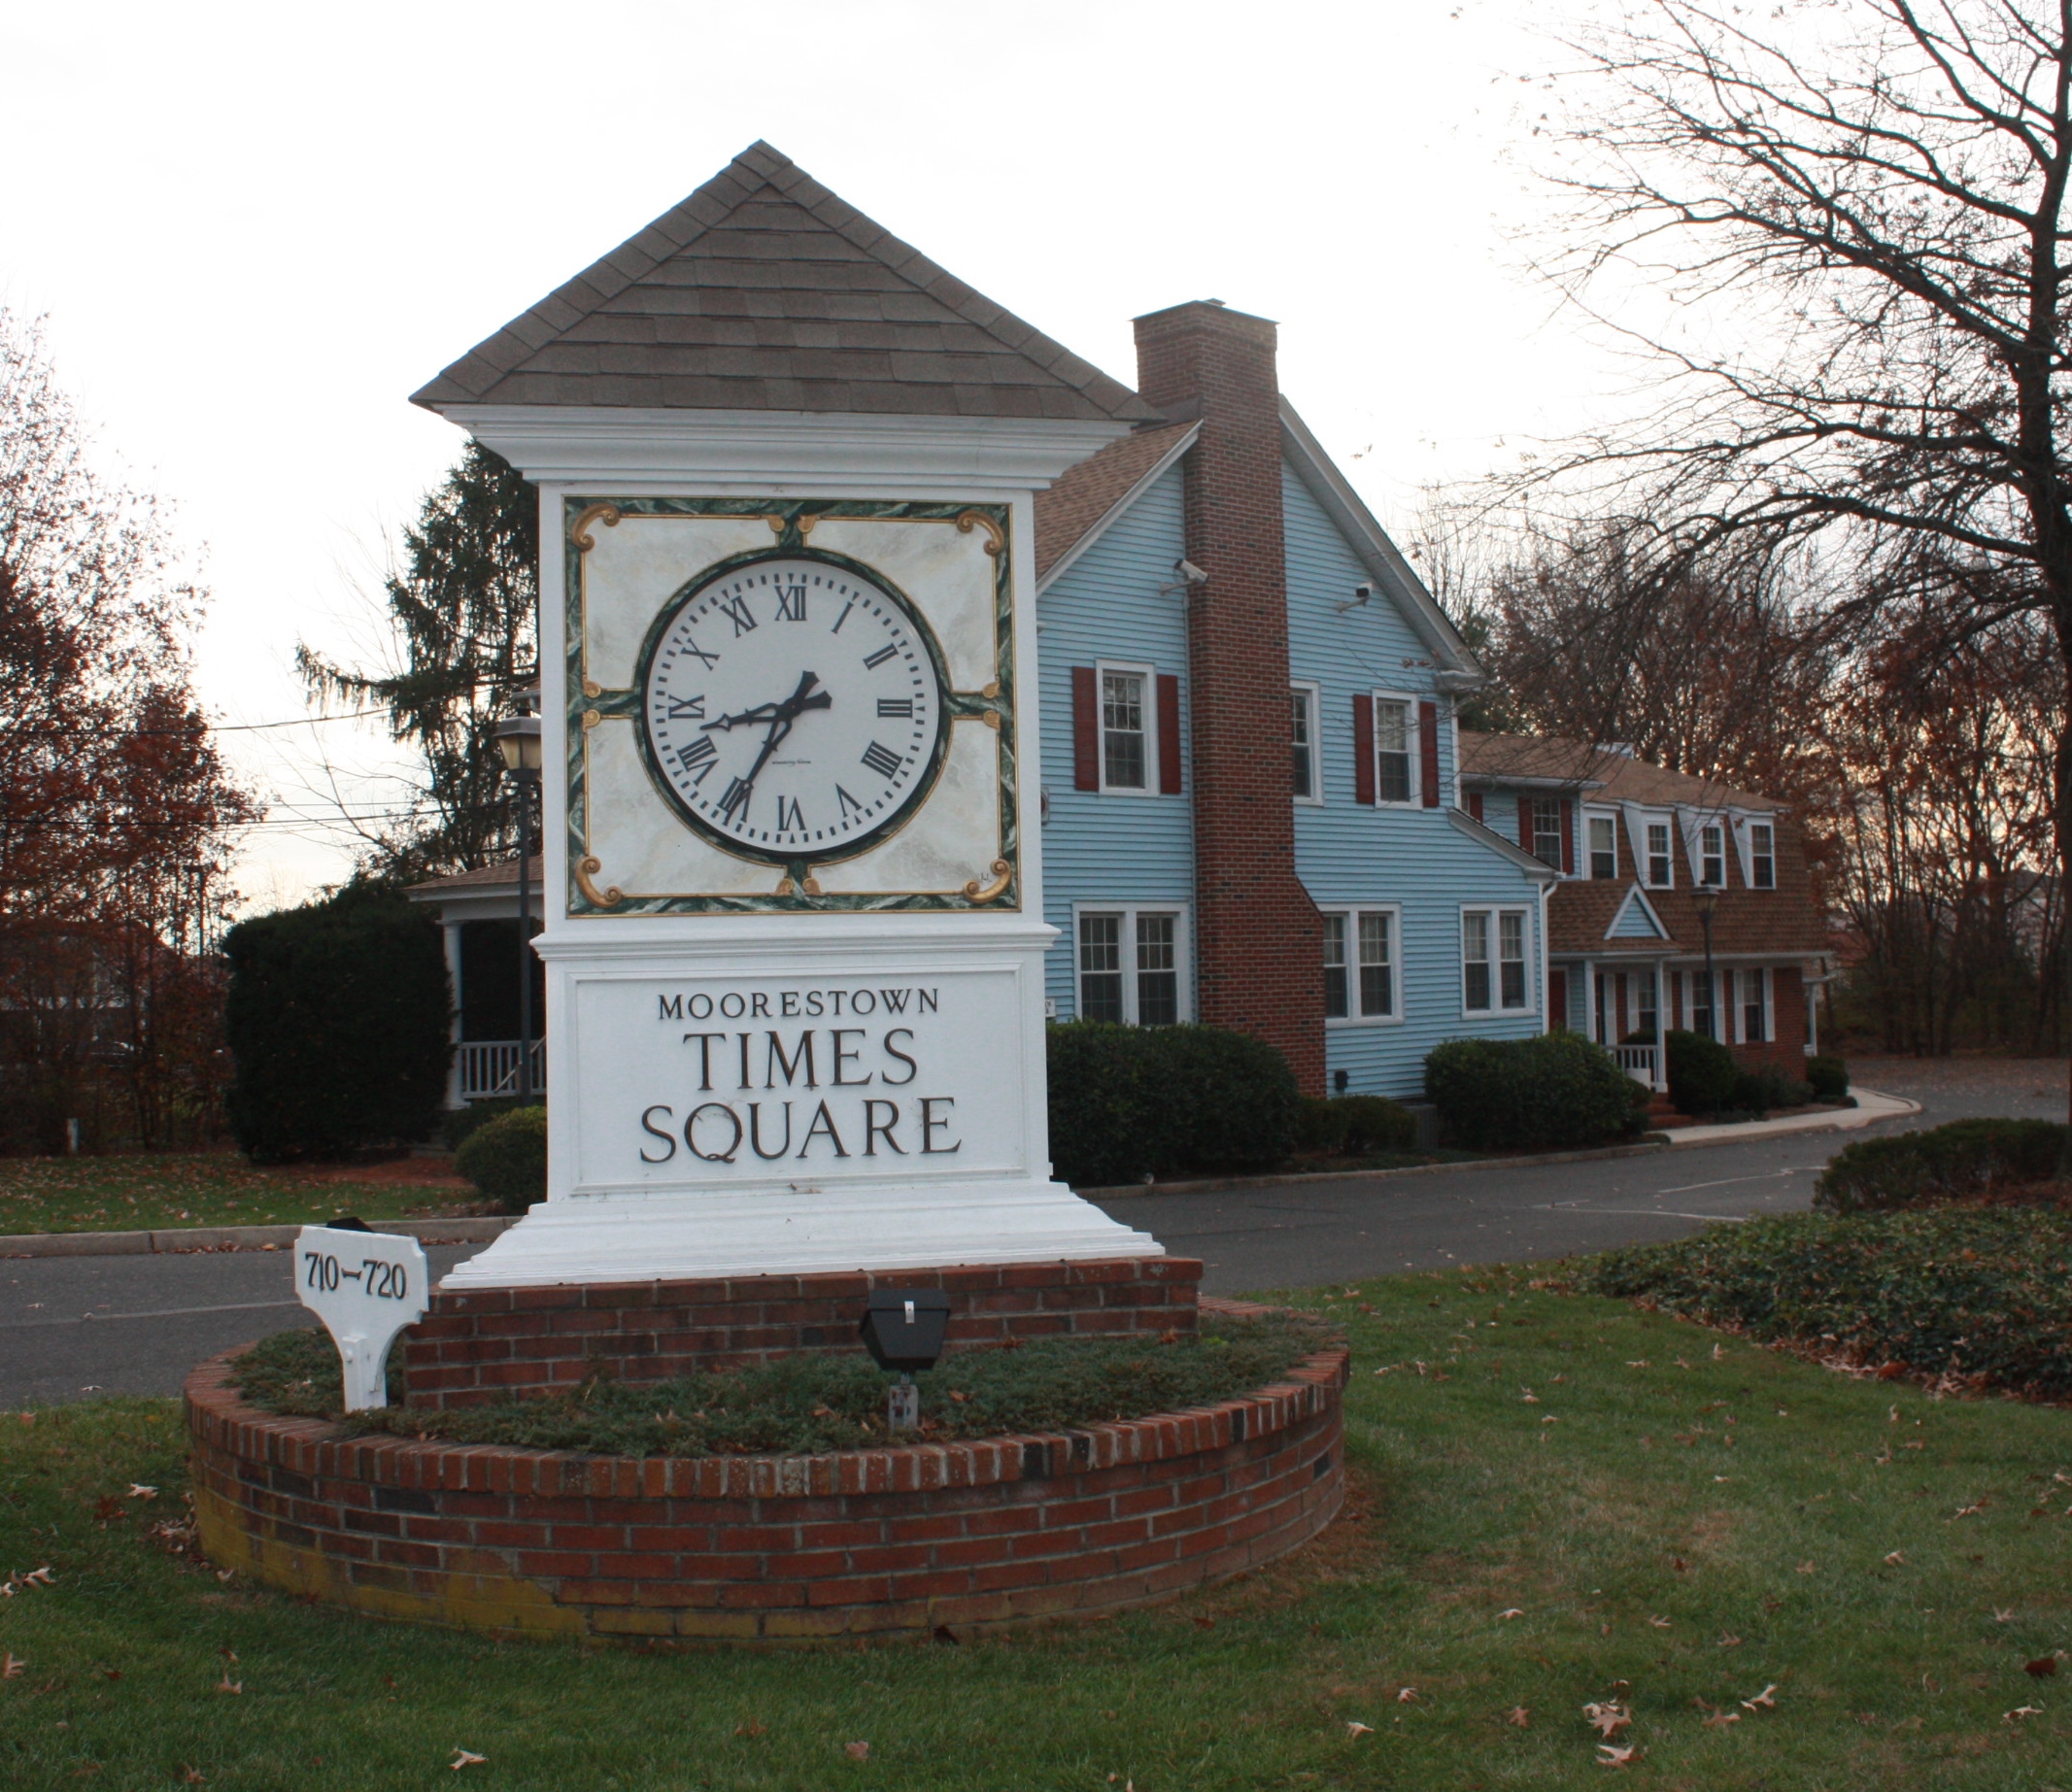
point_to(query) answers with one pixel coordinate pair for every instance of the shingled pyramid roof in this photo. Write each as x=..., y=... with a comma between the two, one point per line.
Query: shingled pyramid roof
x=764, y=291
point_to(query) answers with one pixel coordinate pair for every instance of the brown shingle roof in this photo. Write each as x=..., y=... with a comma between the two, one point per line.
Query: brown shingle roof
x=501, y=875
x=1611, y=776
x=1095, y=485
x=764, y=291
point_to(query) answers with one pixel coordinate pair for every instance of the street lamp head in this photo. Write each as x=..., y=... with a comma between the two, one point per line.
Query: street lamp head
x=1705, y=899
x=518, y=740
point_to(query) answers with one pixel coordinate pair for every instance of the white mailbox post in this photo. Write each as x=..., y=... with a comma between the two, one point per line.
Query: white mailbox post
x=366, y=1287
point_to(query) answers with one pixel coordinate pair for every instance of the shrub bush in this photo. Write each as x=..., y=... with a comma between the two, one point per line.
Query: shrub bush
x=336, y=1018
x=1702, y=1072
x=506, y=1158
x=1554, y=1090
x=1982, y=1293
x=457, y=1124
x=1966, y=1158
x=1829, y=1078
x=1354, y=1123
x=1127, y=1102
x=1374, y=1123
x=1756, y=1092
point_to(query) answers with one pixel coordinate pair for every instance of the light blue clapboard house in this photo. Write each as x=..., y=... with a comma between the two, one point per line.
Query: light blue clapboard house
x=1426, y=925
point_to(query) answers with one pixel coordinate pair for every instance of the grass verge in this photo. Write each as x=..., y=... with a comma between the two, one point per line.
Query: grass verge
x=1668, y=1529
x=808, y=1404
x=149, y=1190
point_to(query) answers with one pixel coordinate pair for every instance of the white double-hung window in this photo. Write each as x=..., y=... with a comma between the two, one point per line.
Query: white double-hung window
x=1493, y=961
x=1712, y=855
x=1661, y=863
x=1131, y=964
x=1307, y=769
x=1762, y=855
x=1128, y=722
x=1603, y=846
x=1361, y=952
x=1395, y=749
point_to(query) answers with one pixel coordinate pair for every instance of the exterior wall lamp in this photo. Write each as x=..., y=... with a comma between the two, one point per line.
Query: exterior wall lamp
x=903, y=1330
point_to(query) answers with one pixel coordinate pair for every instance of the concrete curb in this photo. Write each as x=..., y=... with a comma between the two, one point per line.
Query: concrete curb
x=1890, y=1107
x=195, y=1239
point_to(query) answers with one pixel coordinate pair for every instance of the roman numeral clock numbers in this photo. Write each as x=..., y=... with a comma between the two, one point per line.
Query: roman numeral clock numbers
x=828, y=732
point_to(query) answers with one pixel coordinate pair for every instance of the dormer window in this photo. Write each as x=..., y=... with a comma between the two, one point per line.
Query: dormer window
x=1661, y=866
x=1548, y=831
x=1762, y=855
x=1712, y=855
x=1604, y=847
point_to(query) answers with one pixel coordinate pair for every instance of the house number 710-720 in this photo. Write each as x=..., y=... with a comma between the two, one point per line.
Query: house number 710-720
x=383, y=1281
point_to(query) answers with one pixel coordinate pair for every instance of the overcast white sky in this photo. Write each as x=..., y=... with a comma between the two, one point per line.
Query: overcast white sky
x=255, y=231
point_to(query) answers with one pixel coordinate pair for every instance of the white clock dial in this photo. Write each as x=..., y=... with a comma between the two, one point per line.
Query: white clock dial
x=794, y=709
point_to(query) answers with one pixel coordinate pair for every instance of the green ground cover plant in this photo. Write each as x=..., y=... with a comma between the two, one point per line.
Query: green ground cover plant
x=1558, y=1499
x=821, y=1403
x=1975, y=1294
x=1966, y=1159
x=149, y=1190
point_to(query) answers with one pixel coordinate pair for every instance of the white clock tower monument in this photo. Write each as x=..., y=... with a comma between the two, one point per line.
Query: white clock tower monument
x=794, y=938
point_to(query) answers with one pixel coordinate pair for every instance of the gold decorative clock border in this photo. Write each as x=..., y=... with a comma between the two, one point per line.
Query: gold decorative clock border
x=996, y=886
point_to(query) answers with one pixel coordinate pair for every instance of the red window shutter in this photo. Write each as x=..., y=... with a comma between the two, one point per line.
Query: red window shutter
x=1363, y=748
x=1086, y=730
x=1169, y=734
x=1474, y=804
x=1428, y=747
x=1567, y=837
x=1525, y=819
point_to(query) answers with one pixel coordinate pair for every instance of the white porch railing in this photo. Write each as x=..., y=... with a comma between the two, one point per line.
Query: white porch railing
x=490, y=1067
x=1639, y=1062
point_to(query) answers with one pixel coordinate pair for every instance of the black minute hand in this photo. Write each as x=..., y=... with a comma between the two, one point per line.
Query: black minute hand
x=780, y=724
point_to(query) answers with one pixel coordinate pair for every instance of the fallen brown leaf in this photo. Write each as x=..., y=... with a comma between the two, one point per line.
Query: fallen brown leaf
x=1728, y=1640
x=749, y=1728
x=1406, y=1695
x=1606, y=1719
x=11, y=1669
x=2042, y=1667
x=1521, y=1717
x=1607, y=1756
x=857, y=1751
x=1763, y=1700
x=2020, y=1711
x=1359, y=1730
x=1719, y=1720
x=462, y=1758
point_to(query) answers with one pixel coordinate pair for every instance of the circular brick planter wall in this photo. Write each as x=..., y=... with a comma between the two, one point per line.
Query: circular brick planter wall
x=768, y=1548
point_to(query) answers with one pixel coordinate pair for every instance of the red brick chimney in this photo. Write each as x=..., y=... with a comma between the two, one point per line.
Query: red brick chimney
x=1258, y=943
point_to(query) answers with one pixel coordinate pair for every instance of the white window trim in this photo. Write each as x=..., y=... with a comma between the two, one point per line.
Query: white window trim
x=1744, y=826
x=1352, y=911
x=1150, y=674
x=1533, y=1001
x=1182, y=952
x=1413, y=736
x=1638, y=822
x=1761, y=972
x=1694, y=822
x=1590, y=818
x=1314, y=693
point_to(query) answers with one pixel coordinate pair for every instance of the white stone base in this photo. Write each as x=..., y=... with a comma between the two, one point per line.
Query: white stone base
x=698, y=1236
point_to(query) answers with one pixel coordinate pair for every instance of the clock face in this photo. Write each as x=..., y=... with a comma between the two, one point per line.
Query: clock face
x=793, y=708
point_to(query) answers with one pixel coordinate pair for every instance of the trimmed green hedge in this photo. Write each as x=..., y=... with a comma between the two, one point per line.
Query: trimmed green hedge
x=1757, y=1092
x=1544, y=1092
x=1358, y=1124
x=506, y=1158
x=1966, y=1159
x=1702, y=1072
x=1128, y=1103
x=336, y=1018
x=1983, y=1292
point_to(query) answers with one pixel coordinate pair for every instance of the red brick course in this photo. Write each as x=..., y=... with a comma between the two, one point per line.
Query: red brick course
x=488, y=1345
x=759, y=1548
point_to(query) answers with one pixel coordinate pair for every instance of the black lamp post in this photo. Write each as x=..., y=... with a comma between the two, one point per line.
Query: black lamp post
x=518, y=739
x=1705, y=899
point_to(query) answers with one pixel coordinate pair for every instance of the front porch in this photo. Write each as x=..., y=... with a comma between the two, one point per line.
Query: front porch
x=478, y=913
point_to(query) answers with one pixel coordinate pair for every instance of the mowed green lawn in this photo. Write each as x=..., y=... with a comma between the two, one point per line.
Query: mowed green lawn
x=147, y=1190
x=1658, y=1526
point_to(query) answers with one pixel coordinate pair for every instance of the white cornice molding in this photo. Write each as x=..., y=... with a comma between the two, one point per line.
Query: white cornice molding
x=814, y=453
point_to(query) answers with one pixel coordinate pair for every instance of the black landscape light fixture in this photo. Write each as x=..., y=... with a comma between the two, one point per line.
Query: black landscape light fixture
x=904, y=1329
x=1705, y=898
x=518, y=740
